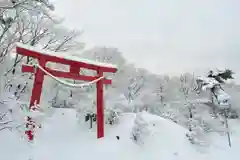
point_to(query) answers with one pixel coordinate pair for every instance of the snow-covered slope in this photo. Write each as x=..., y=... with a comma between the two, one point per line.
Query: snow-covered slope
x=62, y=138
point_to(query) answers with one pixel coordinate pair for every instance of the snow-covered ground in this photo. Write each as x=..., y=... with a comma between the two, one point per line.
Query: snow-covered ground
x=62, y=138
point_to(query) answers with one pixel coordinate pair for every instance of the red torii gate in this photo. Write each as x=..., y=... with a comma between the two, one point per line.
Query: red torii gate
x=74, y=74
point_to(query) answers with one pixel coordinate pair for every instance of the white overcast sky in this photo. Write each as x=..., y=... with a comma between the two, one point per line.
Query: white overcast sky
x=161, y=35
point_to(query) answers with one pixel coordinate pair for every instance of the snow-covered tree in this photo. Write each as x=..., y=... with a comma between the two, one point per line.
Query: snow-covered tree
x=213, y=84
x=30, y=22
x=219, y=100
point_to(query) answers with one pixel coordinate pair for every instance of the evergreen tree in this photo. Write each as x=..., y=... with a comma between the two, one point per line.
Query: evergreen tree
x=220, y=76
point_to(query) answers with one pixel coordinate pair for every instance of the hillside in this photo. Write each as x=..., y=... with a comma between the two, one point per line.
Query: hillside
x=62, y=138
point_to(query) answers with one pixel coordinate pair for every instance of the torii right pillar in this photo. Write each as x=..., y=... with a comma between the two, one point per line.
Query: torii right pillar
x=100, y=108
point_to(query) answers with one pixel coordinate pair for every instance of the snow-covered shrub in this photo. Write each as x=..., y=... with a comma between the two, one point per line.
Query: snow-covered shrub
x=11, y=116
x=140, y=130
x=112, y=117
x=14, y=98
x=83, y=110
x=170, y=113
x=164, y=110
x=14, y=113
x=86, y=108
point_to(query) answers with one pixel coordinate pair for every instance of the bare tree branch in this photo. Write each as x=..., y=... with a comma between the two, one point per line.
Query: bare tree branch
x=4, y=123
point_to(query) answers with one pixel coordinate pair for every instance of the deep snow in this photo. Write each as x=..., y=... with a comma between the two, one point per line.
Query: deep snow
x=62, y=138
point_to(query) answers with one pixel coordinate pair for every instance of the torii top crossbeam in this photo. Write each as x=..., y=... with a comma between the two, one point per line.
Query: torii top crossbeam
x=64, y=58
x=75, y=64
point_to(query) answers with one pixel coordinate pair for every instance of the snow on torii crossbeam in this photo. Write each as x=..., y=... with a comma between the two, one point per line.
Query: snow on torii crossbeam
x=75, y=64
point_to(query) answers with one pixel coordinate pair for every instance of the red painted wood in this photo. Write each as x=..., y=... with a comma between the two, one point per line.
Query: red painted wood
x=100, y=109
x=61, y=74
x=37, y=86
x=27, y=68
x=60, y=60
x=74, y=70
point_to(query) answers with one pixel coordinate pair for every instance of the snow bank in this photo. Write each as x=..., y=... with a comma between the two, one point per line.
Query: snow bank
x=62, y=138
x=157, y=131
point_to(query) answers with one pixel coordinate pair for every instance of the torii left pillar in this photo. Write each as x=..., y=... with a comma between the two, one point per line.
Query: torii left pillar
x=35, y=100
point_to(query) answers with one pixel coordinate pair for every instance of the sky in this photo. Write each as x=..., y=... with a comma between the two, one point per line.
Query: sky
x=163, y=36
